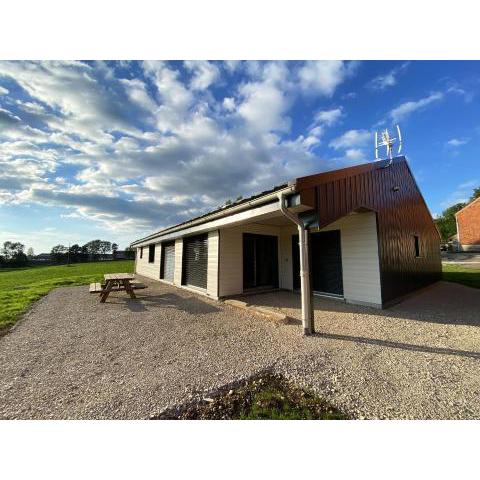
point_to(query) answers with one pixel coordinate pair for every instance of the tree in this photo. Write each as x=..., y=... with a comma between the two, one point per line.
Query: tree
x=114, y=250
x=447, y=224
x=92, y=248
x=13, y=255
x=75, y=252
x=11, y=249
x=59, y=253
x=129, y=253
x=475, y=194
x=105, y=247
x=30, y=253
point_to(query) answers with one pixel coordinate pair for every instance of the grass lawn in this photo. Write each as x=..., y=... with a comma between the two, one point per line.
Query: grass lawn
x=20, y=287
x=462, y=274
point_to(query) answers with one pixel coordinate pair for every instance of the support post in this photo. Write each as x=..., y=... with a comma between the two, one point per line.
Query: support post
x=306, y=292
x=305, y=287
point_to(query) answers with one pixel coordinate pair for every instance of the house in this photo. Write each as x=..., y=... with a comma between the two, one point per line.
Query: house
x=468, y=227
x=43, y=257
x=361, y=234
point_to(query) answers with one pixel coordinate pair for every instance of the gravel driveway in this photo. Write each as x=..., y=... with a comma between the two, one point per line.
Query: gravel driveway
x=72, y=357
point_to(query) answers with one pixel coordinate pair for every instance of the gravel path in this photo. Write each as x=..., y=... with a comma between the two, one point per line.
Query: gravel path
x=72, y=357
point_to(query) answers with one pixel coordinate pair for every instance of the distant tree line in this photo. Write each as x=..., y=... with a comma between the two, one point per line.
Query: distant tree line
x=446, y=223
x=91, y=251
x=13, y=253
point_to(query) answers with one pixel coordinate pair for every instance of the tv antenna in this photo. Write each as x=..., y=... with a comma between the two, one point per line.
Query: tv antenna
x=388, y=142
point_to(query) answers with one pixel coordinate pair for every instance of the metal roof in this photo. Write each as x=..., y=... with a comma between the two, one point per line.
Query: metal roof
x=223, y=208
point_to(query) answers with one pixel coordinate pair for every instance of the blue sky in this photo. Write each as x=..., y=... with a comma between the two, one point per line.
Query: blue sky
x=115, y=150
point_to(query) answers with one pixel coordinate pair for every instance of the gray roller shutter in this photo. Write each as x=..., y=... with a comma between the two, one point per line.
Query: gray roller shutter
x=195, y=261
x=168, y=261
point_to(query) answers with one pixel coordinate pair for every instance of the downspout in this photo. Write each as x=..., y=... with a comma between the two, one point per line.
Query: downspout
x=307, y=310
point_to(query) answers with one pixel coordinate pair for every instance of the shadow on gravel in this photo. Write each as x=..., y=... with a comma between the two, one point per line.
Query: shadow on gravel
x=190, y=305
x=403, y=346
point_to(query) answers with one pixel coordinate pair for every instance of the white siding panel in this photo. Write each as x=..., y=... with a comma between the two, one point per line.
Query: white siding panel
x=360, y=261
x=286, y=266
x=177, y=277
x=231, y=256
x=212, y=274
x=143, y=267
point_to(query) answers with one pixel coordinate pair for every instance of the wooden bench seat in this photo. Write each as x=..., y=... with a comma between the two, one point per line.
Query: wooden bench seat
x=98, y=287
x=95, y=288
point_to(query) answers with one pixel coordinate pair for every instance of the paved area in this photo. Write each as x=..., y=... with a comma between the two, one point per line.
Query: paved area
x=462, y=258
x=72, y=357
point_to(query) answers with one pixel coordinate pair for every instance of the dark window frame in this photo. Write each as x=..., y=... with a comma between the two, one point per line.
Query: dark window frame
x=141, y=252
x=416, y=244
x=151, y=253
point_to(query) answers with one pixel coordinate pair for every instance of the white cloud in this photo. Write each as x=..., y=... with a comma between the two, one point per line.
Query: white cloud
x=3, y=91
x=266, y=101
x=322, y=77
x=462, y=193
x=204, y=73
x=229, y=104
x=456, y=89
x=405, y=109
x=134, y=147
x=176, y=99
x=351, y=139
x=389, y=79
x=137, y=92
x=355, y=154
x=457, y=142
x=328, y=117
x=232, y=65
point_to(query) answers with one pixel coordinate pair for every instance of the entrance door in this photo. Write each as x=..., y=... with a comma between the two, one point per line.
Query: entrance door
x=167, y=267
x=195, y=261
x=326, y=262
x=260, y=261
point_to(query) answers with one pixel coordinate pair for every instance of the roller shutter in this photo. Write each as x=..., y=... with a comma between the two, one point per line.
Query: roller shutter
x=168, y=261
x=195, y=261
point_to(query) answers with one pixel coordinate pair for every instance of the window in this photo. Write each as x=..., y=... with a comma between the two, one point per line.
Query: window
x=151, y=253
x=417, y=246
x=141, y=252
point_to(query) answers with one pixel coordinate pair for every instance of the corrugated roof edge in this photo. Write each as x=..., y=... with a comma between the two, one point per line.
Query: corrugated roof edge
x=213, y=212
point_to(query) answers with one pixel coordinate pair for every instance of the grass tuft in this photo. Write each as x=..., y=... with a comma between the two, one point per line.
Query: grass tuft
x=265, y=397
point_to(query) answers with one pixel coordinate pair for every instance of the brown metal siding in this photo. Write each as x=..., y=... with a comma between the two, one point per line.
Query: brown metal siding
x=401, y=214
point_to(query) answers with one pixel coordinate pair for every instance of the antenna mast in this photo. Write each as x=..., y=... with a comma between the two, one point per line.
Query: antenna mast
x=388, y=142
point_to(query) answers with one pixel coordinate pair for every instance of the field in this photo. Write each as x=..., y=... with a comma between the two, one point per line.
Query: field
x=20, y=287
x=463, y=274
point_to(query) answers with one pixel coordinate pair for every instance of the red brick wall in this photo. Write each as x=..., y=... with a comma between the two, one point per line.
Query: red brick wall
x=468, y=221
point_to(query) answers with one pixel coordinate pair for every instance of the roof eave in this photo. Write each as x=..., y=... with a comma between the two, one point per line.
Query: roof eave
x=256, y=201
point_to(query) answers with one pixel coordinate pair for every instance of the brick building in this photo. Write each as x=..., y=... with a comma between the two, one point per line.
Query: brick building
x=468, y=227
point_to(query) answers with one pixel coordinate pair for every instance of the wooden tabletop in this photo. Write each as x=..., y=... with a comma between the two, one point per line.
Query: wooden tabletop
x=119, y=276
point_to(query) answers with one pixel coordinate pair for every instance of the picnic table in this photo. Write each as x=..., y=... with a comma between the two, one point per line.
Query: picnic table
x=116, y=282
x=113, y=280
